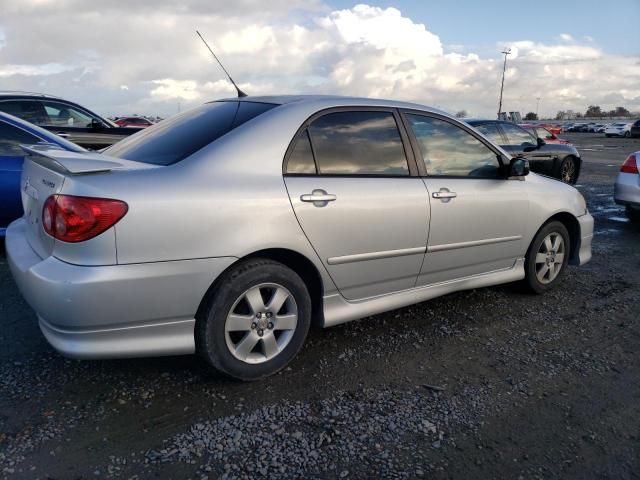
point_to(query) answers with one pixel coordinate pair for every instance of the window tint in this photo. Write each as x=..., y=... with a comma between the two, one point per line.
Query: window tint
x=517, y=135
x=543, y=133
x=29, y=110
x=358, y=143
x=448, y=150
x=178, y=137
x=490, y=130
x=11, y=137
x=62, y=115
x=301, y=158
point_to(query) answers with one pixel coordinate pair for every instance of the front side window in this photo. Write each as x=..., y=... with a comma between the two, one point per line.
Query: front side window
x=358, y=143
x=448, y=150
x=491, y=131
x=12, y=137
x=517, y=135
x=62, y=115
x=178, y=137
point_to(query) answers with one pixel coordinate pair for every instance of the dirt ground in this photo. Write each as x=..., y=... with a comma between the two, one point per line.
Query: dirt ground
x=482, y=384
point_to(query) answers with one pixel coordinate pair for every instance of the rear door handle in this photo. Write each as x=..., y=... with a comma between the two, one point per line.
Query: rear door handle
x=62, y=134
x=444, y=194
x=318, y=197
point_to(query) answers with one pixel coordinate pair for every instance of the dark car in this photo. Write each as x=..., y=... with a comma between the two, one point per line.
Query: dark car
x=635, y=129
x=555, y=160
x=13, y=133
x=133, y=121
x=64, y=118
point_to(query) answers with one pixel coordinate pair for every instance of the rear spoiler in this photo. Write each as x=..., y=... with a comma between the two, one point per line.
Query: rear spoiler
x=76, y=163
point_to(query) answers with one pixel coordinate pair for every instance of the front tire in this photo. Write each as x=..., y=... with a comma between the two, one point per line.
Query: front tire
x=255, y=322
x=627, y=134
x=547, y=257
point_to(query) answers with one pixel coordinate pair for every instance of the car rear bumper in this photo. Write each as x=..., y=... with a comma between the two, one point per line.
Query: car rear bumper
x=144, y=309
x=586, y=238
x=627, y=189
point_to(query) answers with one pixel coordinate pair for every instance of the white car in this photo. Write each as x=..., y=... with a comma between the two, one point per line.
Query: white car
x=619, y=129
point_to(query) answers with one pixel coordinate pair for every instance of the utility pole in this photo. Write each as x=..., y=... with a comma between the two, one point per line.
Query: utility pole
x=537, y=105
x=506, y=51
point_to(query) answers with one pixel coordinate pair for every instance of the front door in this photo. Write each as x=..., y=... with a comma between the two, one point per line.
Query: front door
x=477, y=215
x=352, y=192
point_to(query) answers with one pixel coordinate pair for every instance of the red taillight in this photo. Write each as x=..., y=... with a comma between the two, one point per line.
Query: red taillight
x=630, y=165
x=76, y=219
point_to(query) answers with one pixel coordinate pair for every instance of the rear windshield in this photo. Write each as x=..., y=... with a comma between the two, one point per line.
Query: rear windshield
x=173, y=140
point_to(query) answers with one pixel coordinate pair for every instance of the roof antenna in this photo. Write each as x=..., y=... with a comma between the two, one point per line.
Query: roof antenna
x=240, y=92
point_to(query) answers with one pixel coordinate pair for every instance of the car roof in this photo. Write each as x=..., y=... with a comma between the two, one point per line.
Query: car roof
x=25, y=94
x=328, y=101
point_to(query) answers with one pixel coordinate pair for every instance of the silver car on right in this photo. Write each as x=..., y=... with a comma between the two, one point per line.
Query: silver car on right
x=627, y=187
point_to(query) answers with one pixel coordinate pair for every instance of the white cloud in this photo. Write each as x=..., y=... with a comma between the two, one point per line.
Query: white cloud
x=150, y=58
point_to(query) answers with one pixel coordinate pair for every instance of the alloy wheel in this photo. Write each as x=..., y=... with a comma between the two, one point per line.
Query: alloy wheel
x=568, y=170
x=550, y=258
x=261, y=323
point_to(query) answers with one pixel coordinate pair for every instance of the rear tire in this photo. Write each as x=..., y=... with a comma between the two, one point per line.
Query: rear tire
x=627, y=134
x=255, y=322
x=547, y=258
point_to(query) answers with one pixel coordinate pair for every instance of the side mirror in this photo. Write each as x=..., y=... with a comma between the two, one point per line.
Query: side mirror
x=518, y=167
x=541, y=142
x=96, y=124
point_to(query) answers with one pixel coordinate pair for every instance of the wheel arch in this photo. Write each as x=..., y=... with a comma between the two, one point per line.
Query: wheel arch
x=573, y=227
x=296, y=262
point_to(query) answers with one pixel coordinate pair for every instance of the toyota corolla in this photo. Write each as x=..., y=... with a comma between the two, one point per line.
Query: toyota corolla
x=229, y=229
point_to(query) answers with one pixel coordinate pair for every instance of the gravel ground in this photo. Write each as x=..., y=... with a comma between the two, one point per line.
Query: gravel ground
x=489, y=383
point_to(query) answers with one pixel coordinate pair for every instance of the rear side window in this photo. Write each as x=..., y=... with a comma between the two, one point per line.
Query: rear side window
x=301, y=158
x=358, y=143
x=176, y=138
x=11, y=137
x=29, y=110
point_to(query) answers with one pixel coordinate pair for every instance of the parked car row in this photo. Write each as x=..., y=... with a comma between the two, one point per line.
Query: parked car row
x=613, y=129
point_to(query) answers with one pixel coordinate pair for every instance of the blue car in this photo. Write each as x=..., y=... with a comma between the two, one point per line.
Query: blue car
x=13, y=133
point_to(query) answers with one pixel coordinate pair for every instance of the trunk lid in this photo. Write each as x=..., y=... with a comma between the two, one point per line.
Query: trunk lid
x=44, y=173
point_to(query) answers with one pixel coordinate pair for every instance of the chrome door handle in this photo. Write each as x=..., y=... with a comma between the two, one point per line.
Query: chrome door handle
x=444, y=194
x=319, y=198
x=62, y=134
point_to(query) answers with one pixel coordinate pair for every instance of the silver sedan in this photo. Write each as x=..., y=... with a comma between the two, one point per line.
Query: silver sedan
x=228, y=230
x=627, y=187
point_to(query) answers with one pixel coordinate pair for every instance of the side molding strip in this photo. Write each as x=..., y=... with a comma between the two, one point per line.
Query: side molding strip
x=361, y=257
x=474, y=243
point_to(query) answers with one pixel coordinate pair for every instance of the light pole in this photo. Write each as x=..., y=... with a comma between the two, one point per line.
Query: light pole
x=506, y=51
x=537, y=105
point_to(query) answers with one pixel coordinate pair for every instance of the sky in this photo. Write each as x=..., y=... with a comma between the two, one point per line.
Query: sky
x=120, y=57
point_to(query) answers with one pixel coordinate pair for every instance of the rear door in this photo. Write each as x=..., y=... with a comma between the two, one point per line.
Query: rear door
x=477, y=216
x=11, y=159
x=351, y=180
